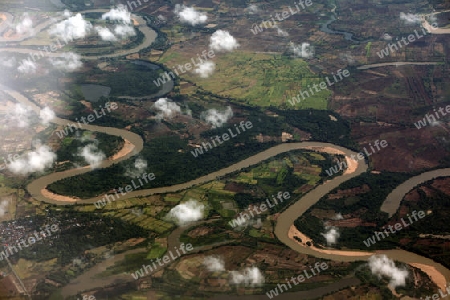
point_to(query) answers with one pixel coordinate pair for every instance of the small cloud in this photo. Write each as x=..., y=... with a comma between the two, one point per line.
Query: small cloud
x=46, y=114
x=347, y=57
x=105, y=34
x=338, y=216
x=387, y=37
x=69, y=62
x=120, y=13
x=252, y=9
x=216, y=118
x=222, y=40
x=331, y=235
x=161, y=19
x=19, y=115
x=214, y=264
x=190, y=15
x=167, y=108
x=3, y=207
x=92, y=155
x=25, y=25
x=381, y=265
x=67, y=13
x=140, y=165
x=186, y=212
x=304, y=51
x=410, y=18
x=205, y=69
x=8, y=63
x=35, y=161
x=124, y=31
x=281, y=32
x=137, y=212
x=27, y=66
x=433, y=21
x=75, y=27
x=249, y=277
x=435, y=123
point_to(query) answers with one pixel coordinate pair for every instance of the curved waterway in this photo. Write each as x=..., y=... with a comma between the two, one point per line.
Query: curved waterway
x=347, y=35
x=392, y=202
x=398, y=63
x=149, y=37
x=37, y=188
x=437, y=272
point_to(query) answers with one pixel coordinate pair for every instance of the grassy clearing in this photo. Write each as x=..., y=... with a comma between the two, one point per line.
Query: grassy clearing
x=144, y=221
x=257, y=79
x=157, y=251
x=26, y=268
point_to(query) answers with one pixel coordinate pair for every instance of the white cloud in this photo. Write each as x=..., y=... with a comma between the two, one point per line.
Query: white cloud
x=190, y=15
x=75, y=27
x=92, y=155
x=222, y=40
x=281, y=32
x=250, y=276
x=435, y=123
x=3, y=207
x=140, y=165
x=124, y=31
x=433, y=21
x=347, y=57
x=69, y=62
x=27, y=66
x=120, y=31
x=205, y=69
x=304, y=51
x=410, y=18
x=46, y=114
x=381, y=265
x=216, y=118
x=67, y=13
x=186, y=212
x=338, y=216
x=120, y=13
x=252, y=9
x=19, y=115
x=34, y=161
x=105, y=34
x=167, y=109
x=331, y=235
x=25, y=26
x=214, y=264
x=8, y=63
x=387, y=37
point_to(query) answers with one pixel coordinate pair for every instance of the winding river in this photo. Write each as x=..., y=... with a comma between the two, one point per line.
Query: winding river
x=392, y=202
x=437, y=272
x=149, y=37
x=37, y=188
x=347, y=35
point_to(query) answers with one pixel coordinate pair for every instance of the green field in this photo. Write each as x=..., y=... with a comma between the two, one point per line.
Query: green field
x=257, y=79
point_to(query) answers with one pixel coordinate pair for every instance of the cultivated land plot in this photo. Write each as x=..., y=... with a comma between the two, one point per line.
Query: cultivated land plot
x=256, y=79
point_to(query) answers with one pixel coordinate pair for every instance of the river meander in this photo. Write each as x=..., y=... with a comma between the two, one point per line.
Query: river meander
x=438, y=273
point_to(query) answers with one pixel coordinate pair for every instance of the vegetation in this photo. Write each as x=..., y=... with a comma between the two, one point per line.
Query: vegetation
x=71, y=145
x=130, y=79
x=257, y=79
x=78, y=232
x=411, y=289
x=367, y=204
x=171, y=167
x=321, y=126
x=176, y=164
